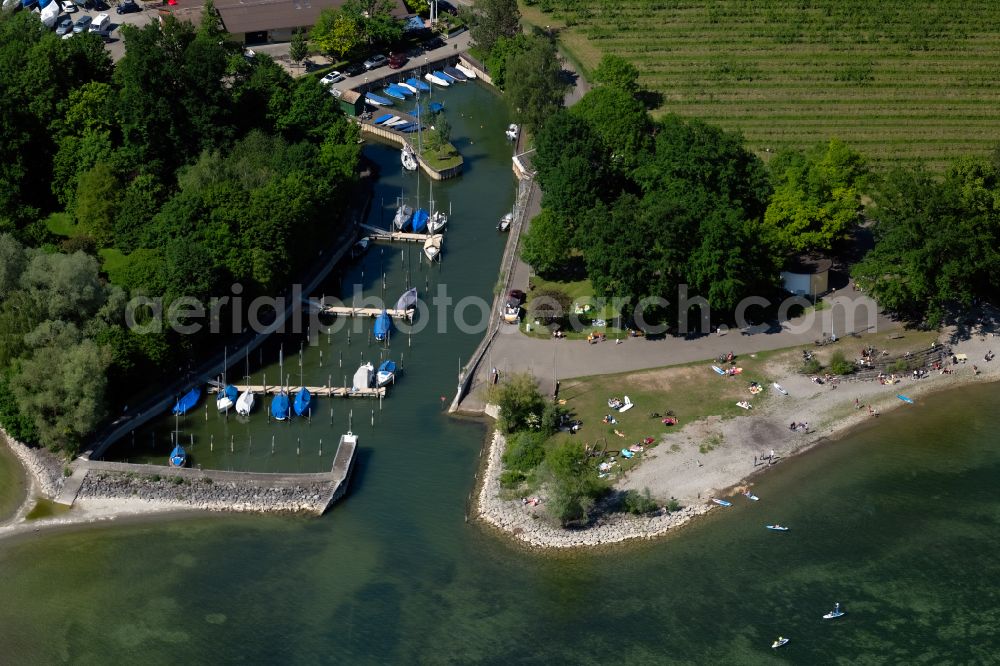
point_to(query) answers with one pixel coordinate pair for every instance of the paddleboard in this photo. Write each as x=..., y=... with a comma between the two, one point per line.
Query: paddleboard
x=718, y=370
x=722, y=502
x=779, y=388
x=905, y=399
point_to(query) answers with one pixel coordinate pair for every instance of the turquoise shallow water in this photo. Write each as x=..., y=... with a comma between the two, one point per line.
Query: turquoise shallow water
x=898, y=522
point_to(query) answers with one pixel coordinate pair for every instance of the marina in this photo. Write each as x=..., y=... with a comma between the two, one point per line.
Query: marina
x=321, y=391
x=374, y=233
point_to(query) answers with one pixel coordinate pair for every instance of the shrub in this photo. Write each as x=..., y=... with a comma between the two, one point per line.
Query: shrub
x=638, y=503
x=812, y=366
x=673, y=505
x=574, y=485
x=840, y=365
x=525, y=450
x=511, y=479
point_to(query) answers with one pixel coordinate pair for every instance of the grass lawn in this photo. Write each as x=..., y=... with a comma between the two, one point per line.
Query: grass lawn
x=582, y=293
x=62, y=224
x=447, y=157
x=900, y=82
x=692, y=392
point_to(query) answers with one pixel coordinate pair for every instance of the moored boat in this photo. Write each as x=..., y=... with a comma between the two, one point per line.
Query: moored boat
x=280, y=407
x=436, y=80
x=407, y=86
x=402, y=217
x=779, y=642
x=404, y=90
x=244, y=404
x=432, y=247
x=382, y=325
x=360, y=247
x=386, y=373
x=777, y=528
x=393, y=91
x=408, y=300
x=505, y=221
x=468, y=71
x=437, y=222
x=188, y=401
x=178, y=457
x=445, y=76
x=377, y=100
x=419, y=221
x=408, y=159
x=512, y=131
x=455, y=73
x=227, y=397
x=418, y=84
x=302, y=401
x=363, y=377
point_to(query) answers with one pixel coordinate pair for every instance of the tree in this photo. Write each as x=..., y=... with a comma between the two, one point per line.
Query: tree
x=617, y=72
x=96, y=202
x=574, y=485
x=571, y=164
x=535, y=85
x=61, y=388
x=817, y=197
x=12, y=263
x=935, y=241
x=621, y=122
x=494, y=19
x=375, y=20
x=550, y=304
x=299, y=48
x=336, y=32
x=518, y=398
x=63, y=286
x=504, y=50
x=547, y=245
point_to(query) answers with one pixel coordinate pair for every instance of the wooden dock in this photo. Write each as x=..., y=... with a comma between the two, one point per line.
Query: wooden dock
x=322, y=391
x=375, y=233
x=347, y=311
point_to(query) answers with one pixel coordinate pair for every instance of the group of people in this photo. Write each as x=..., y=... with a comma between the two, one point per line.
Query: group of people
x=798, y=427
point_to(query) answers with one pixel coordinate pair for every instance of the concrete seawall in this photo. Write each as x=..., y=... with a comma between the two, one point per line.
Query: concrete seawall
x=215, y=490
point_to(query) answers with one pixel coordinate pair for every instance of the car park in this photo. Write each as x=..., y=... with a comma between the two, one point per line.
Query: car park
x=375, y=62
x=82, y=24
x=331, y=78
x=65, y=25
x=128, y=7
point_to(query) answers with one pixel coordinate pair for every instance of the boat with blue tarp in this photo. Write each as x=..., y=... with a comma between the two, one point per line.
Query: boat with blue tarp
x=377, y=100
x=383, y=119
x=386, y=373
x=178, y=457
x=455, y=74
x=302, y=400
x=444, y=76
x=227, y=397
x=393, y=91
x=418, y=84
x=189, y=400
x=382, y=325
x=405, y=92
x=280, y=407
x=419, y=221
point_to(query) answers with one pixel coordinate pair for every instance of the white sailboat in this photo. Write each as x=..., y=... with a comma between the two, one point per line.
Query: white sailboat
x=363, y=377
x=468, y=71
x=432, y=247
x=408, y=159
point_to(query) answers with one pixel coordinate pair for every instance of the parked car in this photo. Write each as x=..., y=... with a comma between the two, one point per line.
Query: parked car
x=65, y=25
x=128, y=7
x=68, y=7
x=433, y=43
x=396, y=60
x=331, y=78
x=82, y=24
x=375, y=62
x=354, y=69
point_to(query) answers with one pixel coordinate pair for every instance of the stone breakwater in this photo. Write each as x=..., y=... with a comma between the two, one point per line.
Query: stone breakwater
x=44, y=468
x=526, y=523
x=207, y=494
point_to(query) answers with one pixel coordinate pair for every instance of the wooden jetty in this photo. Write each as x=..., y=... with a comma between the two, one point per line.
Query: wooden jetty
x=347, y=311
x=375, y=233
x=323, y=391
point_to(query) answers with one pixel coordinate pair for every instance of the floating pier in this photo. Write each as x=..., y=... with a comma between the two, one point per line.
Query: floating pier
x=347, y=311
x=375, y=233
x=324, y=391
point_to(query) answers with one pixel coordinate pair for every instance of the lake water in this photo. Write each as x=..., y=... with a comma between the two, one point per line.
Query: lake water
x=898, y=522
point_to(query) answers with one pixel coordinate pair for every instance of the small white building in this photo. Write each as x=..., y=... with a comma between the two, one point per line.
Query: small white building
x=807, y=276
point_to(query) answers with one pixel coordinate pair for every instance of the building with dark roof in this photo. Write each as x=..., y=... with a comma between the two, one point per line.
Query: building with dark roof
x=807, y=275
x=261, y=21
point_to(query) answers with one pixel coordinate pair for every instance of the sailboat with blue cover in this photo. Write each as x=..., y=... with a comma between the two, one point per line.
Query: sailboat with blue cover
x=382, y=325
x=386, y=373
x=419, y=221
x=302, y=400
x=187, y=402
x=178, y=457
x=280, y=406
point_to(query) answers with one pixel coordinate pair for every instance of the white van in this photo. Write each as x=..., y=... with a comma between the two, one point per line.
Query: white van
x=101, y=24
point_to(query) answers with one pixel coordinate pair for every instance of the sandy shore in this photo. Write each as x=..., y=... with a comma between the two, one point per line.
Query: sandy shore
x=679, y=467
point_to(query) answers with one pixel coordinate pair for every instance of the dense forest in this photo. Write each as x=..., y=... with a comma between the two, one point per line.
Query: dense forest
x=642, y=206
x=182, y=169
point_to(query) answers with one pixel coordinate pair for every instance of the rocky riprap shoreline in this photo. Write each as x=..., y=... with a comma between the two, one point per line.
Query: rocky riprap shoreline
x=44, y=467
x=206, y=494
x=526, y=524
